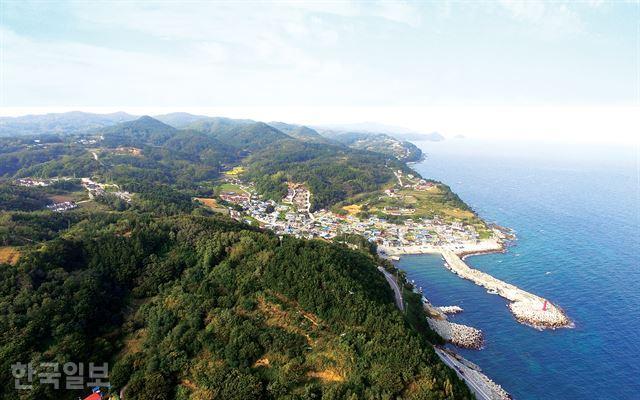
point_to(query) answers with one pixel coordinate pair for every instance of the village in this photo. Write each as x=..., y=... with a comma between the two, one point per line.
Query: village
x=94, y=189
x=292, y=216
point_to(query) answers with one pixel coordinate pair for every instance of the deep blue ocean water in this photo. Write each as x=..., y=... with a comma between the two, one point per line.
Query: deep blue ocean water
x=576, y=211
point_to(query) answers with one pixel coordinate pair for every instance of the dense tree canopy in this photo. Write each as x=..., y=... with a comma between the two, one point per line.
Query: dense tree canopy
x=186, y=305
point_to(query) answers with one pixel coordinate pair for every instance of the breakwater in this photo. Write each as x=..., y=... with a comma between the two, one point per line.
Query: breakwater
x=527, y=308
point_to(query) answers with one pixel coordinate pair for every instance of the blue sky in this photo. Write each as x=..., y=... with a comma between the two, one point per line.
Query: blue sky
x=326, y=56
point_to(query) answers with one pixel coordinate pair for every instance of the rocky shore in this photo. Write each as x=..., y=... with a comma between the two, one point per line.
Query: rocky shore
x=457, y=334
x=450, y=309
x=461, y=335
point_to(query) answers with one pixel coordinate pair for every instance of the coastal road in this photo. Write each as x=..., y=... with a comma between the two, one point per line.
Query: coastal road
x=471, y=377
x=480, y=390
x=395, y=287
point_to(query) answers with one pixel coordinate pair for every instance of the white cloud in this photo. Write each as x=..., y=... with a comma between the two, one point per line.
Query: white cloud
x=310, y=53
x=398, y=11
x=547, y=18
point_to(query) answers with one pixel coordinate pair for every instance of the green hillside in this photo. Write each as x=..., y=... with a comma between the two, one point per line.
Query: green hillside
x=244, y=136
x=190, y=306
x=139, y=132
x=300, y=132
x=333, y=173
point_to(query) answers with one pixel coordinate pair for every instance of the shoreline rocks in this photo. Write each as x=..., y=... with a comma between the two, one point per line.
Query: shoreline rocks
x=457, y=334
x=450, y=309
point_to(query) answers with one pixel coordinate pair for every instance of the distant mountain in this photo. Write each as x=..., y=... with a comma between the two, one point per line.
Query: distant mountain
x=242, y=134
x=300, y=132
x=364, y=127
x=142, y=131
x=59, y=123
x=218, y=124
x=180, y=119
x=431, y=137
x=199, y=147
x=397, y=132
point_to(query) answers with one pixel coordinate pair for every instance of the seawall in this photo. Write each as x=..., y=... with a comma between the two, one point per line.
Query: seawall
x=527, y=308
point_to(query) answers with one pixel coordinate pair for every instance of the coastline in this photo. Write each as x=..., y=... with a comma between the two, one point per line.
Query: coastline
x=479, y=383
x=527, y=308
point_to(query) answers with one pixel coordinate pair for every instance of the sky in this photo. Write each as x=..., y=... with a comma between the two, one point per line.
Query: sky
x=557, y=70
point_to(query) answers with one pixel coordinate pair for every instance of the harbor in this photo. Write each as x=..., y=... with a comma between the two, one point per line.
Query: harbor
x=526, y=307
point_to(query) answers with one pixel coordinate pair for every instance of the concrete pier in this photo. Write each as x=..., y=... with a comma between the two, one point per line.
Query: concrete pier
x=526, y=307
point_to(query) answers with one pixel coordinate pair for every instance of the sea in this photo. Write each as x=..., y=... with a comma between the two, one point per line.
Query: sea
x=576, y=213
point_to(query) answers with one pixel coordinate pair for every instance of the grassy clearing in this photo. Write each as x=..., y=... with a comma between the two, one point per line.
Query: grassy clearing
x=230, y=187
x=93, y=206
x=209, y=202
x=327, y=375
x=434, y=201
x=352, y=209
x=212, y=204
x=235, y=171
x=61, y=198
x=9, y=255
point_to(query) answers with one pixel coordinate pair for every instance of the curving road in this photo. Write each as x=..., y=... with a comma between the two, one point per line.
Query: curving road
x=480, y=390
x=473, y=379
x=395, y=287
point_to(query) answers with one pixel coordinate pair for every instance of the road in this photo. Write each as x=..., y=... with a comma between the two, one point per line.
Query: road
x=479, y=390
x=472, y=377
x=399, y=178
x=395, y=287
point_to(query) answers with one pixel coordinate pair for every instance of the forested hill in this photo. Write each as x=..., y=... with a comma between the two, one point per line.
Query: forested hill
x=148, y=150
x=195, y=306
x=185, y=303
x=300, y=132
x=140, y=132
x=332, y=172
x=250, y=137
